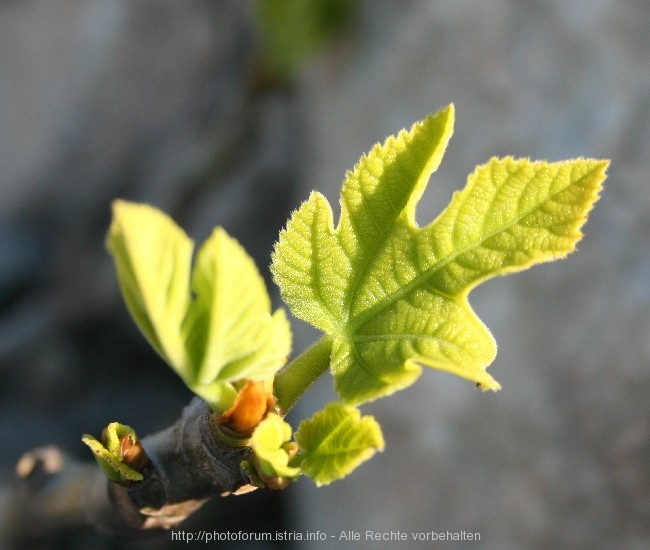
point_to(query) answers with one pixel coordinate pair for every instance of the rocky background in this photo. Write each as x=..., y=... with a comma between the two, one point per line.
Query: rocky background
x=175, y=103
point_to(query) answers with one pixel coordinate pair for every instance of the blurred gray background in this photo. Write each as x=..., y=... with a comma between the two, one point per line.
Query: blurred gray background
x=181, y=104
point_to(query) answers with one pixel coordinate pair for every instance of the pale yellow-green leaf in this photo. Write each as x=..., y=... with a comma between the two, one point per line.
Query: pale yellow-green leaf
x=269, y=445
x=152, y=257
x=335, y=440
x=215, y=329
x=393, y=296
x=229, y=331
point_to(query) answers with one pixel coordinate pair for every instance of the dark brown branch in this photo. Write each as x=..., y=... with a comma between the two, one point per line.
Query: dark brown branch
x=187, y=466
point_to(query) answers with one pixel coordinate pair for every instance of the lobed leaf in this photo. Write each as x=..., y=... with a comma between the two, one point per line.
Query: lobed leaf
x=335, y=440
x=392, y=295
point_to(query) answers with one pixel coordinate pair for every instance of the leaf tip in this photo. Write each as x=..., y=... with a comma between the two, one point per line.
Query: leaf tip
x=490, y=385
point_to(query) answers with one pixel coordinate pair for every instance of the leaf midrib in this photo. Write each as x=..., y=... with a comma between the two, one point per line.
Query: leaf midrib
x=354, y=324
x=344, y=426
x=380, y=243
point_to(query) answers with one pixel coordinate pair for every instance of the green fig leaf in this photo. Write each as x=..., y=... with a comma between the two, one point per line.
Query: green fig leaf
x=152, y=258
x=271, y=444
x=335, y=440
x=392, y=295
x=229, y=332
x=211, y=322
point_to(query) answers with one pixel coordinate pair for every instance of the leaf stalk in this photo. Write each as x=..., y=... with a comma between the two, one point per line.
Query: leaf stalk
x=298, y=375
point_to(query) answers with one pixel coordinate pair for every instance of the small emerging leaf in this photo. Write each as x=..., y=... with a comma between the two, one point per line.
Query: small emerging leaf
x=270, y=443
x=393, y=295
x=335, y=440
x=112, y=455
